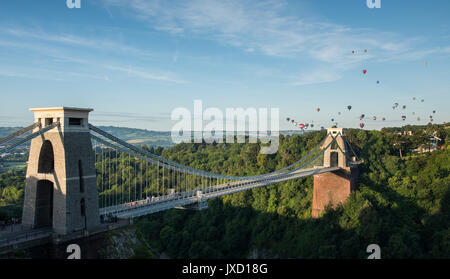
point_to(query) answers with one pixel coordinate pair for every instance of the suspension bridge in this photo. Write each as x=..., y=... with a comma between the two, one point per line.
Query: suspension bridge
x=80, y=177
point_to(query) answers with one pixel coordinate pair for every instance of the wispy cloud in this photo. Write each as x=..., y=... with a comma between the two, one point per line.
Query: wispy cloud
x=255, y=26
x=316, y=77
x=16, y=74
x=126, y=117
x=73, y=40
x=145, y=75
x=51, y=49
x=263, y=27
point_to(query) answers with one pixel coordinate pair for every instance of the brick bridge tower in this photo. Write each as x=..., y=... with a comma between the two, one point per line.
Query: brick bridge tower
x=333, y=188
x=61, y=182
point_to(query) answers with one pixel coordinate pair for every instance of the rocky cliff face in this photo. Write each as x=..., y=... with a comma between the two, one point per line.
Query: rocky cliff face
x=124, y=244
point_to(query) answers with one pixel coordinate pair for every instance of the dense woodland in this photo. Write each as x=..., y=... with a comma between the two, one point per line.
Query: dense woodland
x=402, y=202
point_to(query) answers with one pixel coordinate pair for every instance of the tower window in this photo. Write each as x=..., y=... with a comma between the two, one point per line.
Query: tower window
x=83, y=208
x=75, y=121
x=48, y=121
x=80, y=174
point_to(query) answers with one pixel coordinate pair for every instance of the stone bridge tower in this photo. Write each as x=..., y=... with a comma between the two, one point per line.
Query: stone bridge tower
x=61, y=182
x=333, y=188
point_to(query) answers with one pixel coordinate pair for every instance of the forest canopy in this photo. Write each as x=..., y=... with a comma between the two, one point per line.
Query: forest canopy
x=401, y=203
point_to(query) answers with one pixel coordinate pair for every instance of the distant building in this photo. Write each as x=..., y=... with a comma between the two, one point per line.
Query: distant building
x=433, y=146
x=405, y=133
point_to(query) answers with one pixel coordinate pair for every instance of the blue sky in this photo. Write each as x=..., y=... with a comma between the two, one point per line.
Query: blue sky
x=135, y=61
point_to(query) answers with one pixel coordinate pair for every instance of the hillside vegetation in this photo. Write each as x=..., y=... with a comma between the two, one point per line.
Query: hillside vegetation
x=402, y=203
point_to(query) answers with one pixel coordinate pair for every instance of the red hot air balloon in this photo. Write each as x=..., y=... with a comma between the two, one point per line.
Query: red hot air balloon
x=364, y=71
x=301, y=126
x=361, y=125
x=318, y=109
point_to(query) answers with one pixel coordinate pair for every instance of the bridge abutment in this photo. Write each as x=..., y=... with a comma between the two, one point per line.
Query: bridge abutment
x=333, y=188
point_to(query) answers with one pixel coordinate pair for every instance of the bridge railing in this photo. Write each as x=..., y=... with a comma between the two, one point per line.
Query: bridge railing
x=23, y=236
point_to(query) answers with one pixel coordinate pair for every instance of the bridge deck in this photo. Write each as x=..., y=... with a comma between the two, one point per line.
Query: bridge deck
x=144, y=207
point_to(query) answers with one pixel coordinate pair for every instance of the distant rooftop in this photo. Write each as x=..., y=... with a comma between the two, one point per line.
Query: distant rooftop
x=62, y=109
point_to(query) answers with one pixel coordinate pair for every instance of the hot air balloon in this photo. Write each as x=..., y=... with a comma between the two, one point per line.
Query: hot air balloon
x=322, y=128
x=311, y=125
x=301, y=126
x=384, y=119
x=404, y=118
x=422, y=100
x=287, y=119
x=318, y=109
x=293, y=121
x=418, y=118
x=361, y=125
x=431, y=119
x=378, y=82
x=365, y=50
x=414, y=98
x=353, y=51
x=332, y=119
x=434, y=111
x=374, y=118
x=404, y=107
x=364, y=71
x=339, y=113
x=349, y=107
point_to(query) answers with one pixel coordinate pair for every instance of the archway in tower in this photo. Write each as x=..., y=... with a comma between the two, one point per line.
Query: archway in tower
x=334, y=159
x=46, y=158
x=44, y=204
